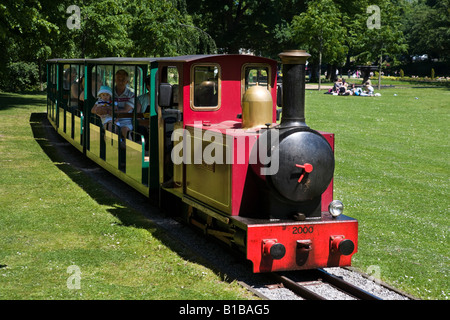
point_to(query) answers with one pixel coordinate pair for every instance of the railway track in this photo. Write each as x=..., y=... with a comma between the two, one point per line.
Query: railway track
x=318, y=284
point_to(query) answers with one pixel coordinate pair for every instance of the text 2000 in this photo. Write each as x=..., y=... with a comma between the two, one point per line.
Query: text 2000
x=305, y=229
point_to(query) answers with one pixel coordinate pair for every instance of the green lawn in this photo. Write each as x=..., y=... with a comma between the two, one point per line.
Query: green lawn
x=392, y=173
x=49, y=221
x=391, y=81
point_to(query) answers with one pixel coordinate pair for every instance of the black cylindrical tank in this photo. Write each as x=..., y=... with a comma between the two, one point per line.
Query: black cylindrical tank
x=301, y=159
x=301, y=168
x=294, y=63
x=305, y=165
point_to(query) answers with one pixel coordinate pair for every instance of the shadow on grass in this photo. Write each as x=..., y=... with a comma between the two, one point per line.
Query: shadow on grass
x=96, y=182
x=69, y=160
x=14, y=100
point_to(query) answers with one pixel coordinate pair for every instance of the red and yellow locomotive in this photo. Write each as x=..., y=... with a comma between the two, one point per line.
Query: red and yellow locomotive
x=213, y=152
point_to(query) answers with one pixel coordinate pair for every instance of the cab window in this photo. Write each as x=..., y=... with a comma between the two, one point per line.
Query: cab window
x=256, y=75
x=206, y=86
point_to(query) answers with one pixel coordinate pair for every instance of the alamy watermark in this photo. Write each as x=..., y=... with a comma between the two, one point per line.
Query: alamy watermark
x=374, y=273
x=74, y=281
x=226, y=148
x=74, y=21
x=374, y=20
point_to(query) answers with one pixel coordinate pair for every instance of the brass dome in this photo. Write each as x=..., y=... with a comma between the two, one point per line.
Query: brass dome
x=257, y=107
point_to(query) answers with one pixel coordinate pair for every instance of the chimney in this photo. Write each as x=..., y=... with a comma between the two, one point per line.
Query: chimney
x=294, y=63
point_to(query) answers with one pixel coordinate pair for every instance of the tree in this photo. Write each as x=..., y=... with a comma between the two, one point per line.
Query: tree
x=103, y=29
x=136, y=28
x=373, y=42
x=226, y=21
x=427, y=28
x=25, y=35
x=319, y=30
x=164, y=28
x=260, y=26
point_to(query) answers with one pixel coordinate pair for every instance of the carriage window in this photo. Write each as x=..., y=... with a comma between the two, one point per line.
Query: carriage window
x=97, y=80
x=52, y=82
x=256, y=75
x=73, y=77
x=70, y=75
x=135, y=79
x=105, y=76
x=53, y=76
x=172, y=75
x=206, y=86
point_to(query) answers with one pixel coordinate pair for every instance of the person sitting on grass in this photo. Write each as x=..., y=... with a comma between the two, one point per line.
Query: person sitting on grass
x=337, y=85
x=348, y=90
x=368, y=88
x=343, y=89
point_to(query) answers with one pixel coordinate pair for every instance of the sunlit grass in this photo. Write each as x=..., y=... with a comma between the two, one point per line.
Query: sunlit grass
x=52, y=217
x=392, y=172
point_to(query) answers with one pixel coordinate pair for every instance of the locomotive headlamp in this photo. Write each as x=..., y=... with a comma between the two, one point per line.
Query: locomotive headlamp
x=336, y=208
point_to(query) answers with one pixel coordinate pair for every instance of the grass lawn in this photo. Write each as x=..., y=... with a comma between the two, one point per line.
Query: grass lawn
x=49, y=222
x=392, y=173
x=389, y=81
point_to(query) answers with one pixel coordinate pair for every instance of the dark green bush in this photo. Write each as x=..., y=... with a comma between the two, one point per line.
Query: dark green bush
x=20, y=76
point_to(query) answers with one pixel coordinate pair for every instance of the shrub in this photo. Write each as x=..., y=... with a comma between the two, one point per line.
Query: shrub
x=20, y=76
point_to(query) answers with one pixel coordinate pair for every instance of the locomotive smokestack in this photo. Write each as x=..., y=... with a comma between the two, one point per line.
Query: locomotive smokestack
x=294, y=62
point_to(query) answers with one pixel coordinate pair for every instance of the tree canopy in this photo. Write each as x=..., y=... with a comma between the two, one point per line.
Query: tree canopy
x=337, y=31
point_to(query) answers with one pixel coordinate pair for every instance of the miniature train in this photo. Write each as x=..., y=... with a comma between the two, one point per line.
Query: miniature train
x=205, y=143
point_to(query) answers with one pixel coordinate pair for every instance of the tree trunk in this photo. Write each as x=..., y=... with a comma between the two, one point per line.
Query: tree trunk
x=379, y=71
x=313, y=72
x=320, y=67
x=333, y=76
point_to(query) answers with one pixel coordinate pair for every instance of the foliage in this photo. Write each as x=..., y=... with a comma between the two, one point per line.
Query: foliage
x=26, y=34
x=427, y=28
x=136, y=28
x=388, y=40
x=320, y=29
x=37, y=30
x=104, y=29
x=339, y=31
x=163, y=30
x=33, y=31
x=227, y=21
x=257, y=26
x=416, y=80
x=20, y=76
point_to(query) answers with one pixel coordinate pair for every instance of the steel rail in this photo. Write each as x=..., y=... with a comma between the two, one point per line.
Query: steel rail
x=326, y=278
x=346, y=286
x=297, y=288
